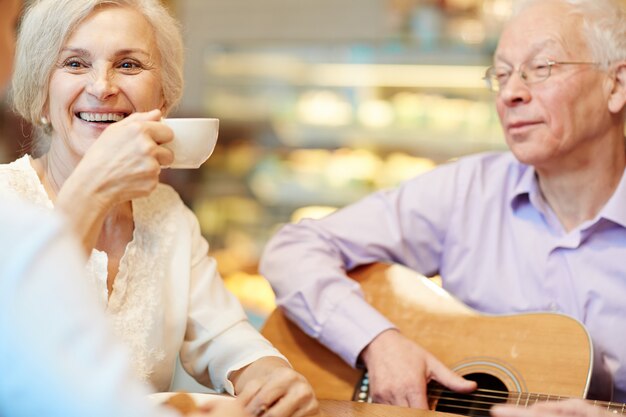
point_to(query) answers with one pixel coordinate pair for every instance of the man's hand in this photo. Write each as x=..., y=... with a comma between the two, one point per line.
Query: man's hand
x=399, y=371
x=566, y=408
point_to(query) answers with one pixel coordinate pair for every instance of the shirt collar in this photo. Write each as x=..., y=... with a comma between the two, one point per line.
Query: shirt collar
x=527, y=189
x=615, y=208
x=526, y=186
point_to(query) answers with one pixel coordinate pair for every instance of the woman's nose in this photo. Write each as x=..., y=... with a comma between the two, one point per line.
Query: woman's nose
x=102, y=85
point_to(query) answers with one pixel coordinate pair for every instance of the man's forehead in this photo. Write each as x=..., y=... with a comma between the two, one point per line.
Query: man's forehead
x=546, y=26
x=530, y=49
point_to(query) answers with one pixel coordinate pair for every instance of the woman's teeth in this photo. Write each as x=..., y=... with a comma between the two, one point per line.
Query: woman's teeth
x=101, y=117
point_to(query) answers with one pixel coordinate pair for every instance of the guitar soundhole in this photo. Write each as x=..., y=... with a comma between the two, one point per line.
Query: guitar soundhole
x=490, y=391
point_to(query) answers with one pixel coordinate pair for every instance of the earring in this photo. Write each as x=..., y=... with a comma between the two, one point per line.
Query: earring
x=45, y=125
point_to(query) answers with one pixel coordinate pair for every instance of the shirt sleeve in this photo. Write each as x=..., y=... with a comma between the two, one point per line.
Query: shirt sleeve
x=306, y=263
x=219, y=338
x=57, y=354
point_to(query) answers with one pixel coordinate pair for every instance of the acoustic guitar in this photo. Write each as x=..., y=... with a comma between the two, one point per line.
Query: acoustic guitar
x=520, y=359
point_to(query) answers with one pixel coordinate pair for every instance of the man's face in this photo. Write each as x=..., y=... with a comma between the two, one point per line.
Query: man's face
x=8, y=21
x=558, y=119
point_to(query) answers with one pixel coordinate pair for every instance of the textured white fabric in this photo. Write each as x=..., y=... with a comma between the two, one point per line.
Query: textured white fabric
x=58, y=356
x=168, y=296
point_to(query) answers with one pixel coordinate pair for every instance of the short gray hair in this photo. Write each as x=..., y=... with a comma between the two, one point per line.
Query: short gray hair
x=604, y=26
x=46, y=26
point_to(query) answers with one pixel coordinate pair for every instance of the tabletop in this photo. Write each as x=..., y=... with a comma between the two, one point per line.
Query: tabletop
x=337, y=408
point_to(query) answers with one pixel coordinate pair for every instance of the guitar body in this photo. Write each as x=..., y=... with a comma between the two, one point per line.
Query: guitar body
x=544, y=353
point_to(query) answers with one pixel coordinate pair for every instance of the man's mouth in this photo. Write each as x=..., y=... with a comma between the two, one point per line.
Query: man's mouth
x=101, y=117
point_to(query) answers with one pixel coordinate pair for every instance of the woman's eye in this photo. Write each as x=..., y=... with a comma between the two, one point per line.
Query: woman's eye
x=130, y=66
x=73, y=63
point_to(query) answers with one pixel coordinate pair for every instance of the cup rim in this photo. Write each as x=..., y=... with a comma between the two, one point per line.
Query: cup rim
x=191, y=118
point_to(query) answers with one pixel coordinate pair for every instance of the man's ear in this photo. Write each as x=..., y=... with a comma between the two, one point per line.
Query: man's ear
x=617, y=97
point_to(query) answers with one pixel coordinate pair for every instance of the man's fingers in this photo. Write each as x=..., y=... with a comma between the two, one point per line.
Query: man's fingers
x=403, y=393
x=417, y=400
x=451, y=379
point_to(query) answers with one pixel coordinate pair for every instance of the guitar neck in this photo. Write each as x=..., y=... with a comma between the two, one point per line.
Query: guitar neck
x=480, y=401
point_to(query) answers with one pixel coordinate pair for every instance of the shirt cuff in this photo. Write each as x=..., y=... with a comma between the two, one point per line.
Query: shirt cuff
x=351, y=327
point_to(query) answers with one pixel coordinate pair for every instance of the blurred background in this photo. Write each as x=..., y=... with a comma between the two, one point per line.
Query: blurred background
x=320, y=103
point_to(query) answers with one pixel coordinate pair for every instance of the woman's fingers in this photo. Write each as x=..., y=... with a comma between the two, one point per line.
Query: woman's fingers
x=283, y=392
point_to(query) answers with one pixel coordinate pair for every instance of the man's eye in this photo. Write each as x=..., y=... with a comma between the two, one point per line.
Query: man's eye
x=502, y=75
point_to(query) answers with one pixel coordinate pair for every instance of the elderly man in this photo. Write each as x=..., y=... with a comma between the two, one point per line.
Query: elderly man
x=542, y=227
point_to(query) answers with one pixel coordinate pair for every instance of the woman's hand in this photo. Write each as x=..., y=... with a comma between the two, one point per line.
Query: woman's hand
x=270, y=387
x=399, y=371
x=123, y=163
x=226, y=408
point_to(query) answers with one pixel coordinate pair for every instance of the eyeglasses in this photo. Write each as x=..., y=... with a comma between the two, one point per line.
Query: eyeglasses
x=535, y=71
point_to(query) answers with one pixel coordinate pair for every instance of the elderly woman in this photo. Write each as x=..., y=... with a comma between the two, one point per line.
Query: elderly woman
x=96, y=76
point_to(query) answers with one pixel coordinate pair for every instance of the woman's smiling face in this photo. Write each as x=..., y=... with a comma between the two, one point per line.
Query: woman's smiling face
x=107, y=69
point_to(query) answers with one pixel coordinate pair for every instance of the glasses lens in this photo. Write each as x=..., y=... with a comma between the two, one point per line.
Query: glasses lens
x=491, y=80
x=537, y=70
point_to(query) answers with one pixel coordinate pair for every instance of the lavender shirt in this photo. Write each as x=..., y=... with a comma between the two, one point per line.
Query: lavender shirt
x=482, y=224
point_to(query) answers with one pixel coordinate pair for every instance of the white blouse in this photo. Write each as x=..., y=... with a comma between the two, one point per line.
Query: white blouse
x=168, y=297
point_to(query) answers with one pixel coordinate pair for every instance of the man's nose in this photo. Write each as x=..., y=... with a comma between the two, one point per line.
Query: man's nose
x=515, y=90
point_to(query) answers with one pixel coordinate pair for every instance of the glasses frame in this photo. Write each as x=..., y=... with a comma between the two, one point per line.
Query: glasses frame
x=495, y=86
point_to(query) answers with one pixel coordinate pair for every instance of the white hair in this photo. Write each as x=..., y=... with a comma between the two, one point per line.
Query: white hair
x=46, y=26
x=604, y=26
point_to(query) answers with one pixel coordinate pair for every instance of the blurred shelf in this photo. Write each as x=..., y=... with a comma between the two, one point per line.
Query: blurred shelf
x=443, y=142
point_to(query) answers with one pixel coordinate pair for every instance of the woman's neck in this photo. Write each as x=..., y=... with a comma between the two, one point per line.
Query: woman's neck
x=53, y=169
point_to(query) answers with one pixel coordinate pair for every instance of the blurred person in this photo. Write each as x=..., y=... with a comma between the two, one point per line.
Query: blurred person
x=95, y=77
x=563, y=408
x=53, y=361
x=542, y=227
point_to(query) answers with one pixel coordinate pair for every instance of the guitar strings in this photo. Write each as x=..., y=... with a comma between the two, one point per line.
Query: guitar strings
x=498, y=395
x=491, y=397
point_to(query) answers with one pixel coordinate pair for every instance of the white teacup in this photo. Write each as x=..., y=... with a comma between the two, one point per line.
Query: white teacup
x=194, y=140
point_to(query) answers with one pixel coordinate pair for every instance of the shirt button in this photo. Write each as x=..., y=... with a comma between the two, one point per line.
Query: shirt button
x=553, y=306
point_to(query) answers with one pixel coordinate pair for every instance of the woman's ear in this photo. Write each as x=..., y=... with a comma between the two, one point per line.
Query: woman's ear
x=164, y=107
x=617, y=97
x=44, y=120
